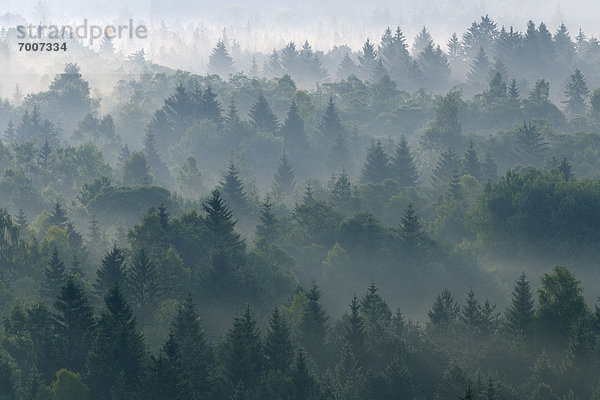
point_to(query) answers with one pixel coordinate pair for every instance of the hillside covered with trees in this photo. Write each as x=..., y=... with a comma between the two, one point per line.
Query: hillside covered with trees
x=418, y=223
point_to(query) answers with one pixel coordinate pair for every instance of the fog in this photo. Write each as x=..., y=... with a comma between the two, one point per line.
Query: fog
x=302, y=201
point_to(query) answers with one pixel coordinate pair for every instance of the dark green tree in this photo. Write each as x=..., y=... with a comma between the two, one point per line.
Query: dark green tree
x=136, y=170
x=313, y=325
x=233, y=190
x=403, y=166
x=143, y=286
x=338, y=157
x=479, y=73
x=10, y=134
x=377, y=167
x=444, y=312
x=330, y=125
x=560, y=303
x=377, y=318
x=210, y=107
x=520, y=315
x=75, y=325
x=268, y=226
x=279, y=351
x=530, y=142
x=158, y=168
x=489, y=168
x=194, y=357
x=284, y=179
x=242, y=354
x=354, y=329
x=576, y=92
x=111, y=272
x=434, y=67
x=55, y=276
x=295, y=141
x=470, y=163
x=58, y=216
x=444, y=170
x=470, y=315
x=411, y=232
x=115, y=363
x=304, y=384
x=261, y=116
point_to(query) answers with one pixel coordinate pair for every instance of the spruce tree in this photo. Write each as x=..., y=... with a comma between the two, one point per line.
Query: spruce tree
x=520, y=315
x=444, y=170
x=576, y=92
x=455, y=189
x=354, y=329
x=189, y=179
x=58, y=216
x=368, y=61
x=55, y=276
x=489, y=168
x=455, y=50
x=111, y=272
x=346, y=68
x=376, y=168
x=284, y=179
x=220, y=62
x=242, y=353
x=304, y=384
x=22, y=224
x=279, y=351
x=158, y=168
x=290, y=59
x=434, y=67
x=136, y=170
x=44, y=154
x=295, y=141
x=143, y=286
x=75, y=325
x=233, y=190
x=341, y=192
x=124, y=155
x=211, y=108
x=402, y=165
x=479, y=73
x=163, y=377
x=10, y=135
x=339, y=156
x=330, y=125
x=411, y=231
x=470, y=163
x=422, y=40
x=377, y=318
x=115, y=363
x=444, y=312
x=513, y=91
x=268, y=229
x=220, y=222
x=261, y=116
x=530, y=143
x=313, y=325
x=272, y=67
x=470, y=315
x=194, y=357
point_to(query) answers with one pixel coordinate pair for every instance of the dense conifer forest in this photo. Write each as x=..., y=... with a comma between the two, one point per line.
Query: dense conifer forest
x=407, y=220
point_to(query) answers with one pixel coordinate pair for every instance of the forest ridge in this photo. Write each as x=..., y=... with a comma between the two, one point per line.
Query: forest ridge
x=387, y=234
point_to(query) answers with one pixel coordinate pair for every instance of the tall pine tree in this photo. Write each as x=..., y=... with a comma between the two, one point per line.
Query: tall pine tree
x=402, y=165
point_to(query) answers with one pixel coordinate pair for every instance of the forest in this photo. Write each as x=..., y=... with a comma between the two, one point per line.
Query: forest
x=392, y=222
